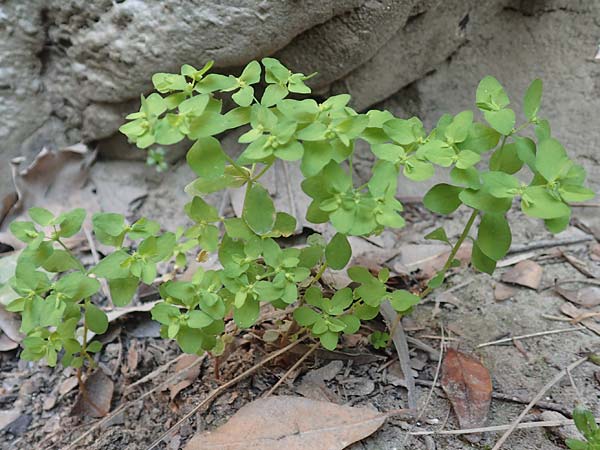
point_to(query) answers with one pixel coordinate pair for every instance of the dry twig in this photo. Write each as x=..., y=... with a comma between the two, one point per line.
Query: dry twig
x=291, y=369
x=526, y=336
x=535, y=399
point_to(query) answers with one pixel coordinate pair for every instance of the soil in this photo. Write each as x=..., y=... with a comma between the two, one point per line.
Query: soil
x=361, y=376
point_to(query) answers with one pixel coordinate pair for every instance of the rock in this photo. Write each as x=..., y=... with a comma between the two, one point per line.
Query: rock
x=7, y=418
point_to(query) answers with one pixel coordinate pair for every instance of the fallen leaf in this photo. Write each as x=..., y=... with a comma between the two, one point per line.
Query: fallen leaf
x=579, y=316
x=97, y=396
x=563, y=433
x=291, y=423
x=588, y=297
x=7, y=344
x=68, y=385
x=132, y=357
x=503, y=292
x=428, y=258
x=526, y=273
x=595, y=251
x=189, y=374
x=10, y=323
x=580, y=265
x=55, y=180
x=468, y=385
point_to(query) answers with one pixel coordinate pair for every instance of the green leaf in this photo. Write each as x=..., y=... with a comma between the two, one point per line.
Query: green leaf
x=329, y=340
x=77, y=286
x=338, y=252
x=305, y=316
x=439, y=234
x=558, y=224
x=501, y=184
x=207, y=125
x=70, y=223
x=491, y=95
x=206, y=158
x=442, y=198
x=190, y=340
x=551, y=159
x=482, y=262
x=573, y=193
x=200, y=211
x=199, y=319
x=163, y=313
x=533, y=98
x=484, y=201
x=95, y=318
x=466, y=177
x=259, y=211
x=274, y=93
x=503, y=121
x=480, y=138
x=537, y=201
x=246, y=316
x=352, y=323
x=111, y=266
x=251, y=73
x=467, y=159
x=244, y=96
x=506, y=159
x=122, y=290
x=438, y=152
x=494, y=236
x=25, y=231
x=41, y=216
x=402, y=300
x=458, y=129
x=60, y=261
x=400, y=131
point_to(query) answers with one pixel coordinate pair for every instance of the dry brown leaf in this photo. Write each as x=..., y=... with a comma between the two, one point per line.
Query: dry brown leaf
x=595, y=251
x=291, y=423
x=68, y=385
x=97, y=396
x=588, y=297
x=55, y=180
x=580, y=265
x=313, y=384
x=578, y=316
x=503, y=292
x=526, y=273
x=189, y=374
x=468, y=385
x=7, y=344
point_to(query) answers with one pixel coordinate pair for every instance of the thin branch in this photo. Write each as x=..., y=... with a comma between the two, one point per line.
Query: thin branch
x=527, y=336
x=297, y=364
x=521, y=426
x=535, y=399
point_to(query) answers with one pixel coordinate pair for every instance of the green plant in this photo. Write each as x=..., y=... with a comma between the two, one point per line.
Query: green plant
x=586, y=424
x=57, y=291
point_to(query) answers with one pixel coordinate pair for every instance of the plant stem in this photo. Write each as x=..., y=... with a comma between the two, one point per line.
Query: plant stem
x=235, y=165
x=455, y=249
x=263, y=171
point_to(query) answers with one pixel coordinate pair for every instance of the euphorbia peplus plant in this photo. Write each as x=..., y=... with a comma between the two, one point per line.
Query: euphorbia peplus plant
x=57, y=291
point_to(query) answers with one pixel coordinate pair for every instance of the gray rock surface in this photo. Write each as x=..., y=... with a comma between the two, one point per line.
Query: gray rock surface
x=70, y=70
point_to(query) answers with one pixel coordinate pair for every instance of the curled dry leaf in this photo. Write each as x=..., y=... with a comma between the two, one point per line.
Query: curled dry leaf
x=291, y=423
x=188, y=373
x=526, y=273
x=55, y=180
x=468, y=385
x=97, y=396
x=588, y=297
x=581, y=316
